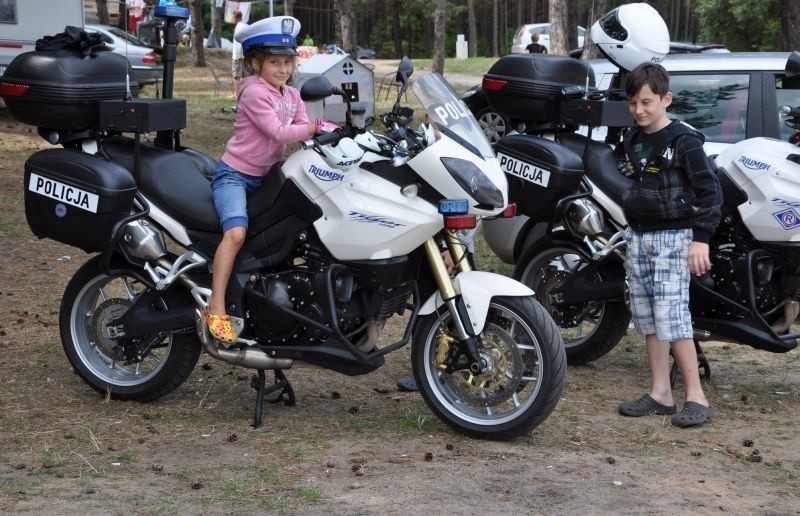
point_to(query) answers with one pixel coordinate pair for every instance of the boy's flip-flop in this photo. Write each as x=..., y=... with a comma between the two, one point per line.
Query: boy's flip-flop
x=407, y=384
x=646, y=406
x=693, y=414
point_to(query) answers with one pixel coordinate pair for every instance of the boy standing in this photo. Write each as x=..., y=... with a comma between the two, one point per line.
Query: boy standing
x=672, y=211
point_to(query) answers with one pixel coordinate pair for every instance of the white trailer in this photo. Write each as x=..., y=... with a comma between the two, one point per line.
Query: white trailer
x=22, y=22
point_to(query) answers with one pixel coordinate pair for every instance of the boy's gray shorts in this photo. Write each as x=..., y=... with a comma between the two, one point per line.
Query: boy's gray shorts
x=657, y=268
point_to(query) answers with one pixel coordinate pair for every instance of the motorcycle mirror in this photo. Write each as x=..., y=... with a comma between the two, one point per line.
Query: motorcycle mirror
x=317, y=88
x=793, y=64
x=404, y=70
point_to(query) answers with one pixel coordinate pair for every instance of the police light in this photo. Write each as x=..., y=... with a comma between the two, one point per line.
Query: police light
x=453, y=207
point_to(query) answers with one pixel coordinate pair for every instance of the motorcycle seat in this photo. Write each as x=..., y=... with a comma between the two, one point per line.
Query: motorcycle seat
x=601, y=165
x=174, y=181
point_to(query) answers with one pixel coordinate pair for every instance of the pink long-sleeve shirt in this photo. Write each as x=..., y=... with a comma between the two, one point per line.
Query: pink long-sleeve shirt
x=266, y=121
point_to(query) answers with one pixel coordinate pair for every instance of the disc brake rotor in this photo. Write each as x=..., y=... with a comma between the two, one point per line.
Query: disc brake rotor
x=103, y=335
x=501, y=375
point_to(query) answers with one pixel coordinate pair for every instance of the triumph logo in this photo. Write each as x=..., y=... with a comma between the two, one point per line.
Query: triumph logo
x=324, y=174
x=753, y=164
x=374, y=219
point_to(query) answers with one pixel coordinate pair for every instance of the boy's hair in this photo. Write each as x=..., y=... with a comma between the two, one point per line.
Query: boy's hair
x=535, y=37
x=237, y=15
x=651, y=74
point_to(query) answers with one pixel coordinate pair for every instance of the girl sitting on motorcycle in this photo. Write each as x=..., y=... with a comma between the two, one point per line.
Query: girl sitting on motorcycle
x=270, y=115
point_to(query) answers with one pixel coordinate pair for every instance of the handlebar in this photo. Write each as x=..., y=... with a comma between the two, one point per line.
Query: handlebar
x=334, y=136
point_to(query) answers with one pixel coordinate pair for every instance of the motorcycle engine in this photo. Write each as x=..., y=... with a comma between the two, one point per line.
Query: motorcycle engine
x=730, y=274
x=304, y=292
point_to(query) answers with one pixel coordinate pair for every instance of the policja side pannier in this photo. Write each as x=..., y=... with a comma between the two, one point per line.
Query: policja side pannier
x=76, y=198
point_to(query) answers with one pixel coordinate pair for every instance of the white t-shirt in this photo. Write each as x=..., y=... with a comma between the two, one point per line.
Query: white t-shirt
x=237, y=47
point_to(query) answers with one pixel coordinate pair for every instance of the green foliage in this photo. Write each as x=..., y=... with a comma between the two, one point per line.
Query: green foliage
x=742, y=25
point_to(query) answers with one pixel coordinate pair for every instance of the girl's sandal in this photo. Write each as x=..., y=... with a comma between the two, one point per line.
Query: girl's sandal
x=220, y=326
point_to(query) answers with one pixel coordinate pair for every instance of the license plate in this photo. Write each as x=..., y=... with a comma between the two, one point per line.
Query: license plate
x=523, y=170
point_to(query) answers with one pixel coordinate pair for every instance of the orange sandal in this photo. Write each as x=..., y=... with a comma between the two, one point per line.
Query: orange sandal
x=220, y=326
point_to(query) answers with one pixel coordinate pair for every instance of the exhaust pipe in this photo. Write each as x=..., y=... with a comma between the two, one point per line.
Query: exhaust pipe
x=248, y=357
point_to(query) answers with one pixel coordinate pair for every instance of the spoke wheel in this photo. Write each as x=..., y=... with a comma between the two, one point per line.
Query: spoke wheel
x=95, y=348
x=522, y=378
x=589, y=329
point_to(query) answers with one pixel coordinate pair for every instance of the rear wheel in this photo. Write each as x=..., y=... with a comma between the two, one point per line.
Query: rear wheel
x=589, y=329
x=525, y=370
x=93, y=299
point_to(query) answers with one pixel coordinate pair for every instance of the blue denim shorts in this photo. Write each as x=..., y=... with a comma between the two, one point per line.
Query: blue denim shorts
x=657, y=268
x=231, y=189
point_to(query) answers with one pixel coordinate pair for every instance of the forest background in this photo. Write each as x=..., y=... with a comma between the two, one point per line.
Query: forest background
x=429, y=28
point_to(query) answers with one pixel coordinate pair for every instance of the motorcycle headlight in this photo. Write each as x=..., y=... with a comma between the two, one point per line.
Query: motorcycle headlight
x=474, y=182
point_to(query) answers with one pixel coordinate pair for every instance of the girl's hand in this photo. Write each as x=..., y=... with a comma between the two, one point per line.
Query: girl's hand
x=312, y=129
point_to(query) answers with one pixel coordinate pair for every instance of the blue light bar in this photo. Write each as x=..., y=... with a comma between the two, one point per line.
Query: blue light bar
x=454, y=207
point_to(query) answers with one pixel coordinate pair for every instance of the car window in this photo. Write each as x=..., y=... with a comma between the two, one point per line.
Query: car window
x=715, y=105
x=787, y=93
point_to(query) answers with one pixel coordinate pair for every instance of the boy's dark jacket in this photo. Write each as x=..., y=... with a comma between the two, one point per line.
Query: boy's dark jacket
x=677, y=188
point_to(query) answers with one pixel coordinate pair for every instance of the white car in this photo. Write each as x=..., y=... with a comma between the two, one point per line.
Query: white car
x=145, y=61
x=522, y=38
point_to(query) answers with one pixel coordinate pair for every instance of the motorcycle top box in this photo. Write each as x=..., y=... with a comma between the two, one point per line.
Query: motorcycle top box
x=76, y=198
x=540, y=172
x=530, y=86
x=61, y=89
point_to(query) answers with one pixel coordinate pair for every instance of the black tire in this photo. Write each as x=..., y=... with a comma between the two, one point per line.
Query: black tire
x=494, y=125
x=91, y=299
x=591, y=329
x=519, y=389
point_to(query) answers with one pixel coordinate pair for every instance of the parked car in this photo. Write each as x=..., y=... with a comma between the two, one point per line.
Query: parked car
x=522, y=38
x=361, y=52
x=145, y=60
x=727, y=96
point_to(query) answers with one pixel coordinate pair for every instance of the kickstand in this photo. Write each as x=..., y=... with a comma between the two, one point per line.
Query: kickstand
x=702, y=365
x=281, y=383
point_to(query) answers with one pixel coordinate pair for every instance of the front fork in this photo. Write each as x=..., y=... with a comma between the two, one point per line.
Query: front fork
x=466, y=353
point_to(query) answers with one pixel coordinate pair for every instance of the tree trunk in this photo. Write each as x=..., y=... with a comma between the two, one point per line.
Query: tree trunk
x=558, y=27
x=495, y=23
x=397, y=31
x=590, y=50
x=439, y=21
x=572, y=25
x=102, y=12
x=288, y=9
x=790, y=21
x=473, y=29
x=122, y=21
x=346, y=22
x=198, y=52
x=216, y=22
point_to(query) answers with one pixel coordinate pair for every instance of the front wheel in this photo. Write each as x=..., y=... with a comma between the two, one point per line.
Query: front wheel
x=93, y=299
x=589, y=329
x=524, y=373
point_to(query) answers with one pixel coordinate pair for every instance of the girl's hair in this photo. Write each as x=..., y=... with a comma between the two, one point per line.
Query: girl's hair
x=651, y=74
x=260, y=55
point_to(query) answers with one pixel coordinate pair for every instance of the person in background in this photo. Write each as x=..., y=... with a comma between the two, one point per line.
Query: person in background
x=270, y=116
x=237, y=57
x=672, y=210
x=308, y=41
x=135, y=11
x=535, y=47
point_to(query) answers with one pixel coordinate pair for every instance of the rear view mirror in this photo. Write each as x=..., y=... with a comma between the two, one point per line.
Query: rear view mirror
x=317, y=88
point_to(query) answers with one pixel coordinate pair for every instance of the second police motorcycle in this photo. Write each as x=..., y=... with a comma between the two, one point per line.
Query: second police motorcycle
x=569, y=188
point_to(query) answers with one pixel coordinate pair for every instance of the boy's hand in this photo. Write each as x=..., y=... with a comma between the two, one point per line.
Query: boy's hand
x=699, y=261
